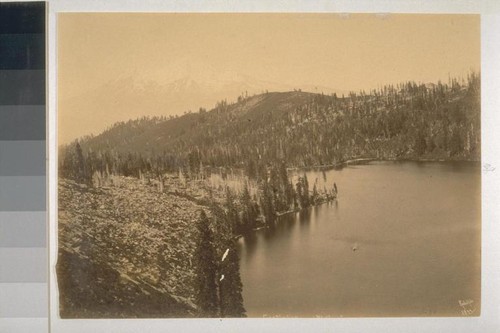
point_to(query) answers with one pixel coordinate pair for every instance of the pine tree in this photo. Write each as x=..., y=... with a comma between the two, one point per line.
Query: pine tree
x=231, y=300
x=303, y=192
x=228, y=280
x=80, y=170
x=267, y=204
x=299, y=192
x=206, y=269
x=249, y=213
x=307, y=200
x=232, y=212
x=315, y=194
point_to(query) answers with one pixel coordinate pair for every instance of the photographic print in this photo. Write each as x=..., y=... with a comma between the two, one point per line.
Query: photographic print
x=268, y=165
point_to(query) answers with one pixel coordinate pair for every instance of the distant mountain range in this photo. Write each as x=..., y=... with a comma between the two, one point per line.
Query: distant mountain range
x=134, y=96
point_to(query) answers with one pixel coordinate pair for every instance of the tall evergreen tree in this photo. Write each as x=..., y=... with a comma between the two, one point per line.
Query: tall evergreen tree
x=315, y=194
x=307, y=199
x=206, y=269
x=250, y=214
x=231, y=288
x=228, y=279
x=267, y=203
x=232, y=212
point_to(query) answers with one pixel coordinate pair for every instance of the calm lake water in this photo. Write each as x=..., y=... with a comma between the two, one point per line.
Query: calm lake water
x=403, y=239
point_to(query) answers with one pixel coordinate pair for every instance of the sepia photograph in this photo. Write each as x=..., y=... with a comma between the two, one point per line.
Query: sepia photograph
x=286, y=165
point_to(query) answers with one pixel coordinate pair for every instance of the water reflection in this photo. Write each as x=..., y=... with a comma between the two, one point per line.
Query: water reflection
x=304, y=217
x=249, y=243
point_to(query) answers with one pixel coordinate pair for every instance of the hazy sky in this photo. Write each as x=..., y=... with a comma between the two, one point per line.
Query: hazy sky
x=119, y=66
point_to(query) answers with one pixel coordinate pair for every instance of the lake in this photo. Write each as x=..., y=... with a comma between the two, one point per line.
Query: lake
x=403, y=239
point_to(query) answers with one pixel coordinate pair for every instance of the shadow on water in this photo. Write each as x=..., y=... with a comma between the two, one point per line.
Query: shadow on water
x=281, y=226
x=250, y=241
x=284, y=226
x=459, y=167
x=305, y=218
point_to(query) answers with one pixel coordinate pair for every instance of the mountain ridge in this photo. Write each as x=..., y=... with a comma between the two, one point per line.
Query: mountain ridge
x=130, y=95
x=408, y=121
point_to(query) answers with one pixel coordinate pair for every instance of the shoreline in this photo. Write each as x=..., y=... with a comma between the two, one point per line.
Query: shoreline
x=366, y=160
x=288, y=212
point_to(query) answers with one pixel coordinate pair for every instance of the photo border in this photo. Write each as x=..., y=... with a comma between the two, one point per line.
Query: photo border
x=488, y=321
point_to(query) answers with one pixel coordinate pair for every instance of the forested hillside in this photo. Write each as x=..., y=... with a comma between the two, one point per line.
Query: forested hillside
x=407, y=121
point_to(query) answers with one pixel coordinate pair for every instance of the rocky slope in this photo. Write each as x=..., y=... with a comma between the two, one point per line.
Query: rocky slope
x=125, y=249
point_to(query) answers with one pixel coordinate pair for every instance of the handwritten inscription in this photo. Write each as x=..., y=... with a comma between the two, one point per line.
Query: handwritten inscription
x=488, y=168
x=468, y=307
